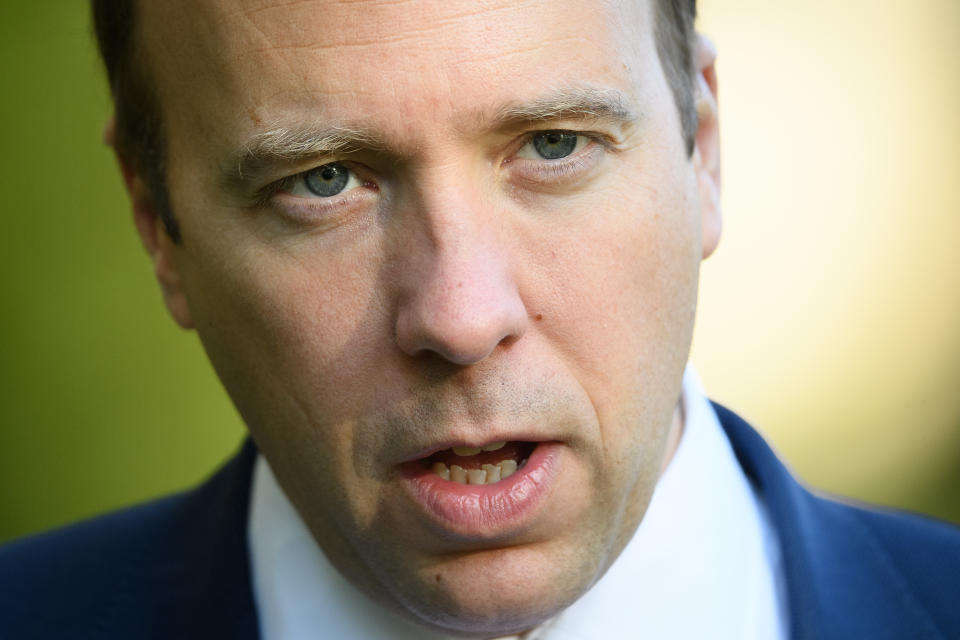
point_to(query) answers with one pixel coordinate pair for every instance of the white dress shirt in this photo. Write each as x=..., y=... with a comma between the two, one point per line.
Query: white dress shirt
x=704, y=562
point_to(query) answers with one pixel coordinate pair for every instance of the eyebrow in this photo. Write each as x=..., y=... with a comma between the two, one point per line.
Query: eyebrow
x=587, y=103
x=291, y=145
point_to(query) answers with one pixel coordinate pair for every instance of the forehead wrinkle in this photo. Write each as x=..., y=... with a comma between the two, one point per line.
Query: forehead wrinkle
x=399, y=34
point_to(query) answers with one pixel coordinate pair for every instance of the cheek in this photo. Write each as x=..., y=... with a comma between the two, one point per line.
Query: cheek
x=286, y=328
x=629, y=284
x=623, y=297
x=295, y=337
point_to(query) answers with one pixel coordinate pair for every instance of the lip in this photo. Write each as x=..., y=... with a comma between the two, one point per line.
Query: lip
x=489, y=510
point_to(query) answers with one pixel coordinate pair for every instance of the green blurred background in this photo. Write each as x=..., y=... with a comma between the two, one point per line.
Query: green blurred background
x=829, y=316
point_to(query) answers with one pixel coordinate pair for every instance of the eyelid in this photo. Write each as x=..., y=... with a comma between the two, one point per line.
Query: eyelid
x=266, y=193
x=540, y=170
x=603, y=139
x=315, y=212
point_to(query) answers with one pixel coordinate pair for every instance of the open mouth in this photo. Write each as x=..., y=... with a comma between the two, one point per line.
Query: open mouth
x=479, y=465
x=484, y=491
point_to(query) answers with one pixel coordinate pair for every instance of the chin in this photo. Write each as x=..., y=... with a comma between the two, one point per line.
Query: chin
x=497, y=592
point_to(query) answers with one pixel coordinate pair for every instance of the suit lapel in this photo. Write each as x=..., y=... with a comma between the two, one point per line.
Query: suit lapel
x=196, y=573
x=841, y=581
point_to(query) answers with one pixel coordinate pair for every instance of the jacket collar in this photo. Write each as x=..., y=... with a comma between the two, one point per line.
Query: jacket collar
x=842, y=581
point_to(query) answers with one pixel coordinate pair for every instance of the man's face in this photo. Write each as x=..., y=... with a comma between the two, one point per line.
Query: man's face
x=501, y=244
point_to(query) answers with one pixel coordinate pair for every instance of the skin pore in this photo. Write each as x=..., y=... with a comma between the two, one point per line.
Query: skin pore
x=458, y=289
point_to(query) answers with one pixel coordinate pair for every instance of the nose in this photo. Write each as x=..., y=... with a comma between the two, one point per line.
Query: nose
x=460, y=298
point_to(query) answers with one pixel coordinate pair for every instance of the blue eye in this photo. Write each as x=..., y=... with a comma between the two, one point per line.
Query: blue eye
x=553, y=145
x=327, y=180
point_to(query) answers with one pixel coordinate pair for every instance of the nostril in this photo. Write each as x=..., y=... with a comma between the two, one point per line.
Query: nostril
x=459, y=300
x=460, y=332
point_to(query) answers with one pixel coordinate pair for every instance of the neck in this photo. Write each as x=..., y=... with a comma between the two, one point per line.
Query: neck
x=673, y=435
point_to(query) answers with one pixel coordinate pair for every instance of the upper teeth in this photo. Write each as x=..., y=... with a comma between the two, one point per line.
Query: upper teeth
x=487, y=474
x=472, y=451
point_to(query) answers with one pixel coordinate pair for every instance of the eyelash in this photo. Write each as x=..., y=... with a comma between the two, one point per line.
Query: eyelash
x=567, y=167
x=312, y=211
x=545, y=170
x=286, y=184
x=265, y=194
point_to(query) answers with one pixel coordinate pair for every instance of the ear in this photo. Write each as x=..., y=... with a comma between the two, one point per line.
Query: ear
x=153, y=234
x=706, y=155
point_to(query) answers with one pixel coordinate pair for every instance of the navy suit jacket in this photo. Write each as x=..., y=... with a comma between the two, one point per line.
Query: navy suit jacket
x=179, y=568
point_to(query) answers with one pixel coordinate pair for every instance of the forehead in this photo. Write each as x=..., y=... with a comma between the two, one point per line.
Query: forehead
x=243, y=65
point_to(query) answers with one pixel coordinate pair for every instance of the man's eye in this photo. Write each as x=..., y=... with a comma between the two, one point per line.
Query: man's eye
x=324, y=181
x=552, y=145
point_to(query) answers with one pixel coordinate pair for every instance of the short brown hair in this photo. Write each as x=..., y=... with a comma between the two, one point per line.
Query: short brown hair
x=139, y=129
x=676, y=48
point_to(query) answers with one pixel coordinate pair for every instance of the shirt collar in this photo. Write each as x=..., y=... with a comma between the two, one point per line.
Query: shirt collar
x=704, y=561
